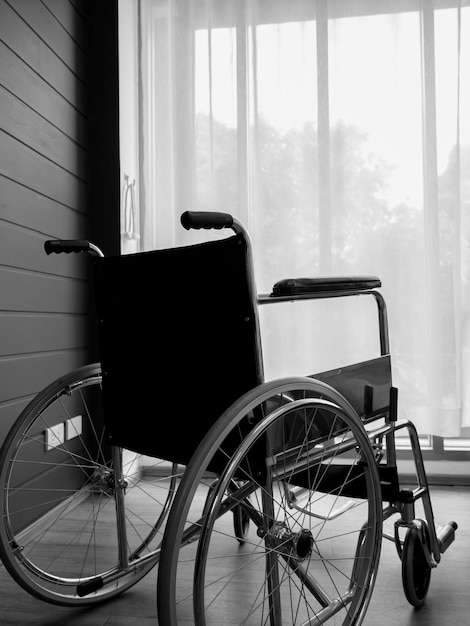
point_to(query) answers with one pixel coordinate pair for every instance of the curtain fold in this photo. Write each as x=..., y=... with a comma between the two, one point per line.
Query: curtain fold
x=339, y=133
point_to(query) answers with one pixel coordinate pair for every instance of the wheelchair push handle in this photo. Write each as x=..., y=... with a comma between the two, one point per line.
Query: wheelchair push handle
x=207, y=220
x=57, y=246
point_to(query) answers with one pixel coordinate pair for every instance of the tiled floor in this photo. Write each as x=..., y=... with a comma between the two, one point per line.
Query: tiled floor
x=448, y=601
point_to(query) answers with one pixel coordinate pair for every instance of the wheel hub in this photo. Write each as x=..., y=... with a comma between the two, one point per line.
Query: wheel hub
x=104, y=480
x=295, y=545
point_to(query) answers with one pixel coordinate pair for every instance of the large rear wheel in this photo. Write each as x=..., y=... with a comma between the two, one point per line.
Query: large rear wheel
x=81, y=520
x=295, y=458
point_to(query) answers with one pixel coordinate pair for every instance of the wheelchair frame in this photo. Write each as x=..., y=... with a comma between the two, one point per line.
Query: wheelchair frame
x=350, y=400
x=405, y=505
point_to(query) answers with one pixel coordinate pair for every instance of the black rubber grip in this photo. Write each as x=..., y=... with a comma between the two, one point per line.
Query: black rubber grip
x=58, y=246
x=207, y=220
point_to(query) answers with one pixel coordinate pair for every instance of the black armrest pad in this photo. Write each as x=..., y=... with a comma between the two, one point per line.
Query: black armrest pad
x=294, y=286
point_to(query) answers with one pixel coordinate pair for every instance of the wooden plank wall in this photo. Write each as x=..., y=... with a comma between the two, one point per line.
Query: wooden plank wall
x=44, y=190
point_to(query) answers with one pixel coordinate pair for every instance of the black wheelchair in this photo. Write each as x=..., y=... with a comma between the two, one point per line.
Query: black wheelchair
x=260, y=501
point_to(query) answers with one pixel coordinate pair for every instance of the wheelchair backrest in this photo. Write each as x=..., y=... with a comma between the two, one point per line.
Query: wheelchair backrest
x=179, y=343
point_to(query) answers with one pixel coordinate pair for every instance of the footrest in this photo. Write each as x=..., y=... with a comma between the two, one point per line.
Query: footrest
x=297, y=286
x=446, y=536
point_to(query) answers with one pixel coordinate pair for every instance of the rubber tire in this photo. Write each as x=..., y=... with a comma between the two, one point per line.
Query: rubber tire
x=416, y=571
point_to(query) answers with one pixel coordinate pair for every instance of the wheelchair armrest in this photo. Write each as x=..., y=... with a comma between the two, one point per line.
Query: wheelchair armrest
x=298, y=286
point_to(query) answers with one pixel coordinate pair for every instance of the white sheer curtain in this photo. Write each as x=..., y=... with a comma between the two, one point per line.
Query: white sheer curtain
x=339, y=133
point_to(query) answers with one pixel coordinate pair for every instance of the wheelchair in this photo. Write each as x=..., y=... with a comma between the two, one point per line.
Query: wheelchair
x=260, y=501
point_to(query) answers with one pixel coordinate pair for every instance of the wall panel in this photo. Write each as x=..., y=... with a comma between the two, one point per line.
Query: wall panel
x=32, y=291
x=45, y=308
x=42, y=17
x=73, y=23
x=27, y=375
x=32, y=129
x=27, y=333
x=9, y=411
x=39, y=95
x=19, y=34
x=24, y=165
x=26, y=207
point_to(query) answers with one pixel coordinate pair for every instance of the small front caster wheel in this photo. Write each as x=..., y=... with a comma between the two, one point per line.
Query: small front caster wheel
x=241, y=523
x=416, y=569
